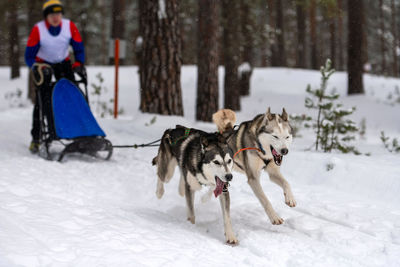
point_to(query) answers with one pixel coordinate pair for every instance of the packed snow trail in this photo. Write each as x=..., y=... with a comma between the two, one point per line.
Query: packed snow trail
x=87, y=212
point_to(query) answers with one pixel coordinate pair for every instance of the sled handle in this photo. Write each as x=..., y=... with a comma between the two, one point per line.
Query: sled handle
x=82, y=81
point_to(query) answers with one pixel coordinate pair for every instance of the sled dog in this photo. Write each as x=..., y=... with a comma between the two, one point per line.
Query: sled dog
x=204, y=159
x=260, y=144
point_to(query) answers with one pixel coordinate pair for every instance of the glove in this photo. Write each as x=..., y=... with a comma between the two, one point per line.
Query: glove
x=81, y=71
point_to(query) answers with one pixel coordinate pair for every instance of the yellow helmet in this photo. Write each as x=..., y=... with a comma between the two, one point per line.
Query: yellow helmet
x=52, y=6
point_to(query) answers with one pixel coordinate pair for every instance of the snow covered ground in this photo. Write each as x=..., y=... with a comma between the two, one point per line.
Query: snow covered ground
x=86, y=212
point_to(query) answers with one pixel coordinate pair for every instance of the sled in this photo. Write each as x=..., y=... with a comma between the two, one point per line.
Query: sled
x=74, y=125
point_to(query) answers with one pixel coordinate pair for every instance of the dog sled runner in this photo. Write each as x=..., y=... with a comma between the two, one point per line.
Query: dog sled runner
x=74, y=125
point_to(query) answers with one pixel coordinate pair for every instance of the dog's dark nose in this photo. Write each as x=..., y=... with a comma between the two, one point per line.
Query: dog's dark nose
x=229, y=177
x=284, y=151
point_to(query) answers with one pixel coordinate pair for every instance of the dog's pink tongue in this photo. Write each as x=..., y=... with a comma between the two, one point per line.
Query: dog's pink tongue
x=218, y=189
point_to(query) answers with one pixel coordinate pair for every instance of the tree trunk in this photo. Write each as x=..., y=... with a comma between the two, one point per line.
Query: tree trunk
x=160, y=67
x=395, y=69
x=301, y=35
x=263, y=31
x=340, y=62
x=355, y=47
x=118, y=23
x=313, y=35
x=34, y=16
x=280, y=33
x=247, y=28
x=13, y=38
x=382, y=38
x=83, y=29
x=188, y=14
x=230, y=13
x=272, y=34
x=332, y=32
x=207, y=60
x=103, y=33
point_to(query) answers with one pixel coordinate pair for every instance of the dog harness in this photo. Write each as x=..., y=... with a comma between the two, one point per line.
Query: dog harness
x=187, y=132
x=266, y=161
x=247, y=148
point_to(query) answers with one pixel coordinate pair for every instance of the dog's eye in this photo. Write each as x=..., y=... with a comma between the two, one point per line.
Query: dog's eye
x=216, y=162
x=229, y=161
x=287, y=137
x=274, y=136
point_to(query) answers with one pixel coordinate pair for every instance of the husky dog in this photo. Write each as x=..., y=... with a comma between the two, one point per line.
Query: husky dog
x=260, y=144
x=203, y=159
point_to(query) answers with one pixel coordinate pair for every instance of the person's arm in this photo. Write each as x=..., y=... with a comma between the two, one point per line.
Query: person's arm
x=77, y=45
x=32, y=47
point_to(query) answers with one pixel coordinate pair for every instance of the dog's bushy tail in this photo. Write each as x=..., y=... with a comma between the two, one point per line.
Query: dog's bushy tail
x=225, y=119
x=164, y=157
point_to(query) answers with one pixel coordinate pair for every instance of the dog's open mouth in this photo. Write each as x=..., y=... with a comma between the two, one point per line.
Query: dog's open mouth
x=277, y=157
x=220, y=187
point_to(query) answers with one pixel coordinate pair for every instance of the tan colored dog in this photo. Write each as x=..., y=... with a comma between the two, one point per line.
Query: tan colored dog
x=260, y=144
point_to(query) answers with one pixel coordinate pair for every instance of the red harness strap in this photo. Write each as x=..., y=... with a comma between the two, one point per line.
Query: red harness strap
x=246, y=148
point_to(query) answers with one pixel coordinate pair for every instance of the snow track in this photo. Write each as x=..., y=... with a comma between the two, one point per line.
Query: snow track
x=87, y=212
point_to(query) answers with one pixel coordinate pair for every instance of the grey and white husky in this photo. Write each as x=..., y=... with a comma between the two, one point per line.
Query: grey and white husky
x=204, y=159
x=260, y=144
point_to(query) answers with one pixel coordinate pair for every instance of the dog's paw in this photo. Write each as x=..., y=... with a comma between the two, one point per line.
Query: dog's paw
x=231, y=239
x=289, y=200
x=275, y=219
x=192, y=219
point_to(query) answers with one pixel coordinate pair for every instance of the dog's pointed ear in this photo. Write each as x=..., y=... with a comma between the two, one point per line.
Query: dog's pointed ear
x=221, y=138
x=204, y=142
x=268, y=114
x=284, y=115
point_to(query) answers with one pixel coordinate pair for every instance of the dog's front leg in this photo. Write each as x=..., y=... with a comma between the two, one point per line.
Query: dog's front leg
x=225, y=201
x=276, y=176
x=189, y=194
x=257, y=189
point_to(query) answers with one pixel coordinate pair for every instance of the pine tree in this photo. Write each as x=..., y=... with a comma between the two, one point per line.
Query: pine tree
x=392, y=146
x=160, y=64
x=207, y=78
x=231, y=53
x=333, y=129
x=355, y=45
x=13, y=38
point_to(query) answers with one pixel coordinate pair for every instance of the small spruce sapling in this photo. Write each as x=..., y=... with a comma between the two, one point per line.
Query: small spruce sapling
x=15, y=98
x=98, y=90
x=333, y=130
x=394, y=98
x=102, y=107
x=299, y=121
x=392, y=146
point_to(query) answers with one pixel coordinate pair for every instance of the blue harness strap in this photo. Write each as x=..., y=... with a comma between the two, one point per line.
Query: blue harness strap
x=72, y=115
